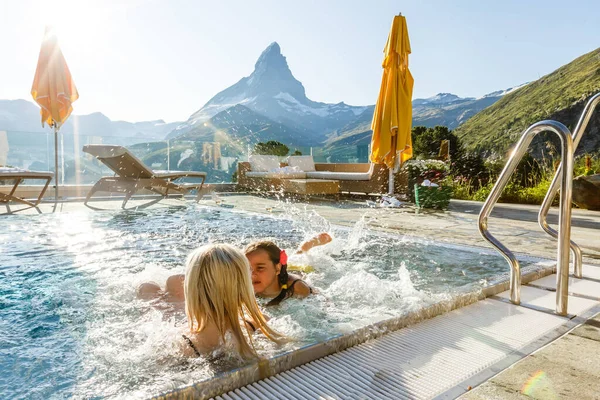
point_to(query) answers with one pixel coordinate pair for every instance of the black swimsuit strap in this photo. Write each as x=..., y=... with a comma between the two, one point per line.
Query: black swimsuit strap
x=291, y=287
x=286, y=293
x=189, y=341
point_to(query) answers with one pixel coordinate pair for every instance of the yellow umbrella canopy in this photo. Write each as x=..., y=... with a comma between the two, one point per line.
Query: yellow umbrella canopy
x=53, y=87
x=54, y=90
x=392, y=119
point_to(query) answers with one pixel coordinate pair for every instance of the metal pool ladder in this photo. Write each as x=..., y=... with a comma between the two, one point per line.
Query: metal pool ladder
x=586, y=115
x=564, y=219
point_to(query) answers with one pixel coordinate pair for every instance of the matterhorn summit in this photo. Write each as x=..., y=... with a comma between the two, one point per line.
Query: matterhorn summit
x=272, y=91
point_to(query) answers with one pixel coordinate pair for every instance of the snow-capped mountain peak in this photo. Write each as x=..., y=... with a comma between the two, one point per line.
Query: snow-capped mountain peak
x=273, y=91
x=499, y=93
x=440, y=99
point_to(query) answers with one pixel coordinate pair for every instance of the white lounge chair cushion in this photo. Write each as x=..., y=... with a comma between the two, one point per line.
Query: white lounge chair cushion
x=286, y=169
x=280, y=175
x=263, y=163
x=340, y=176
x=305, y=163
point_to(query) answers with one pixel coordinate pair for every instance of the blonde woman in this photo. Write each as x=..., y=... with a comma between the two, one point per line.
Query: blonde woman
x=219, y=302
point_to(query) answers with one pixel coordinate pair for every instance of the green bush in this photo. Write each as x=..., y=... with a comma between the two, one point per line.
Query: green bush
x=426, y=142
x=512, y=193
x=583, y=166
x=471, y=177
x=536, y=194
x=483, y=192
x=271, y=147
x=460, y=191
x=471, y=167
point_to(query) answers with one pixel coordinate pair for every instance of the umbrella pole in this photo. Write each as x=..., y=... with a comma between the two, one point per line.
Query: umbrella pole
x=55, y=164
x=391, y=182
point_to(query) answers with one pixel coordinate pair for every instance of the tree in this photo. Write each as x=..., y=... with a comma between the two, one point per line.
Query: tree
x=427, y=141
x=272, y=147
x=471, y=167
x=297, y=152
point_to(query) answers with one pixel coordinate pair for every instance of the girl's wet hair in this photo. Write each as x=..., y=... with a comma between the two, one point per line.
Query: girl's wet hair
x=218, y=288
x=274, y=253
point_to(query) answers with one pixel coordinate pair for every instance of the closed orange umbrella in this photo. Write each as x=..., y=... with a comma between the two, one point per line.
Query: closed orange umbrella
x=54, y=90
x=392, y=119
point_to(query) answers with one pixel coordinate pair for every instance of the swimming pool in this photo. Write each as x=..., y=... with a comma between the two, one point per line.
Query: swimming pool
x=72, y=326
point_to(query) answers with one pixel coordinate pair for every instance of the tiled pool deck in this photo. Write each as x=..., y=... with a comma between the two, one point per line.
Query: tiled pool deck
x=500, y=345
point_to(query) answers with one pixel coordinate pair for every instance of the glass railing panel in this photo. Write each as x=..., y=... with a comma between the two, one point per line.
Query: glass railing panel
x=35, y=151
x=341, y=154
x=156, y=155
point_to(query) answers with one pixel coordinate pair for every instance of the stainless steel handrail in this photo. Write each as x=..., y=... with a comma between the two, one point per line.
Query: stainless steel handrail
x=564, y=227
x=586, y=115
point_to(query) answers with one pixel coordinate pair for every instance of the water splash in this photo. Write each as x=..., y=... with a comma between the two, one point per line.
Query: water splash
x=357, y=235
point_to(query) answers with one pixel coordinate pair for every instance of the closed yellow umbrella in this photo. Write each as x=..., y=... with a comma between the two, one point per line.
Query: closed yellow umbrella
x=54, y=90
x=392, y=119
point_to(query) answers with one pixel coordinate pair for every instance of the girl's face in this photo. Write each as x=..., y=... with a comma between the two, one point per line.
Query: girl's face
x=264, y=273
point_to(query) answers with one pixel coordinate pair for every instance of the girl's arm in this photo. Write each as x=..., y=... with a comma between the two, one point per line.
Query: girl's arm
x=319, y=240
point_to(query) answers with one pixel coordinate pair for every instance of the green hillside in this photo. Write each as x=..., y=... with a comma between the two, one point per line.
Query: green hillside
x=558, y=95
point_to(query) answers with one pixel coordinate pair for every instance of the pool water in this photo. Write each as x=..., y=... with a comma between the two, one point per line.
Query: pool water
x=71, y=325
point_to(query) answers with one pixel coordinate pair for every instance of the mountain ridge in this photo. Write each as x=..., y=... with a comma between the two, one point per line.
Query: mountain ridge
x=21, y=115
x=444, y=109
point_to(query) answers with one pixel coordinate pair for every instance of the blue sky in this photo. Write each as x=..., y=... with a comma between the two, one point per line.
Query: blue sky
x=149, y=59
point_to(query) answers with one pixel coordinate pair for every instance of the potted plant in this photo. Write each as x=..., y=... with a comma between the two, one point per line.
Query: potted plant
x=425, y=177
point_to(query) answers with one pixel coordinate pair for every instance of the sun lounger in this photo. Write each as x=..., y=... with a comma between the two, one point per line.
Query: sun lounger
x=131, y=174
x=19, y=175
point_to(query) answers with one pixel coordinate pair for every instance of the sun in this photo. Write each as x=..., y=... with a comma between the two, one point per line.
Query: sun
x=76, y=23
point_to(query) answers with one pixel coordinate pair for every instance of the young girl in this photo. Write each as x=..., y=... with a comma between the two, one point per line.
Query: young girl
x=219, y=301
x=270, y=277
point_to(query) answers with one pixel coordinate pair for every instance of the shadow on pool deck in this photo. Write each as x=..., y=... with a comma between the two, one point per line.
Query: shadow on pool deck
x=529, y=213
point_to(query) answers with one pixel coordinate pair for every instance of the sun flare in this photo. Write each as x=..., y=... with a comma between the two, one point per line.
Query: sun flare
x=77, y=24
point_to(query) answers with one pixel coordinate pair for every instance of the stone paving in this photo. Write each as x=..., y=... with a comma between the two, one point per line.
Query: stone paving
x=567, y=368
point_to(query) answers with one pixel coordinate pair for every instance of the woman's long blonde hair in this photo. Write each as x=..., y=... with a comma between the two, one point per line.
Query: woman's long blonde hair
x=218, y=288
